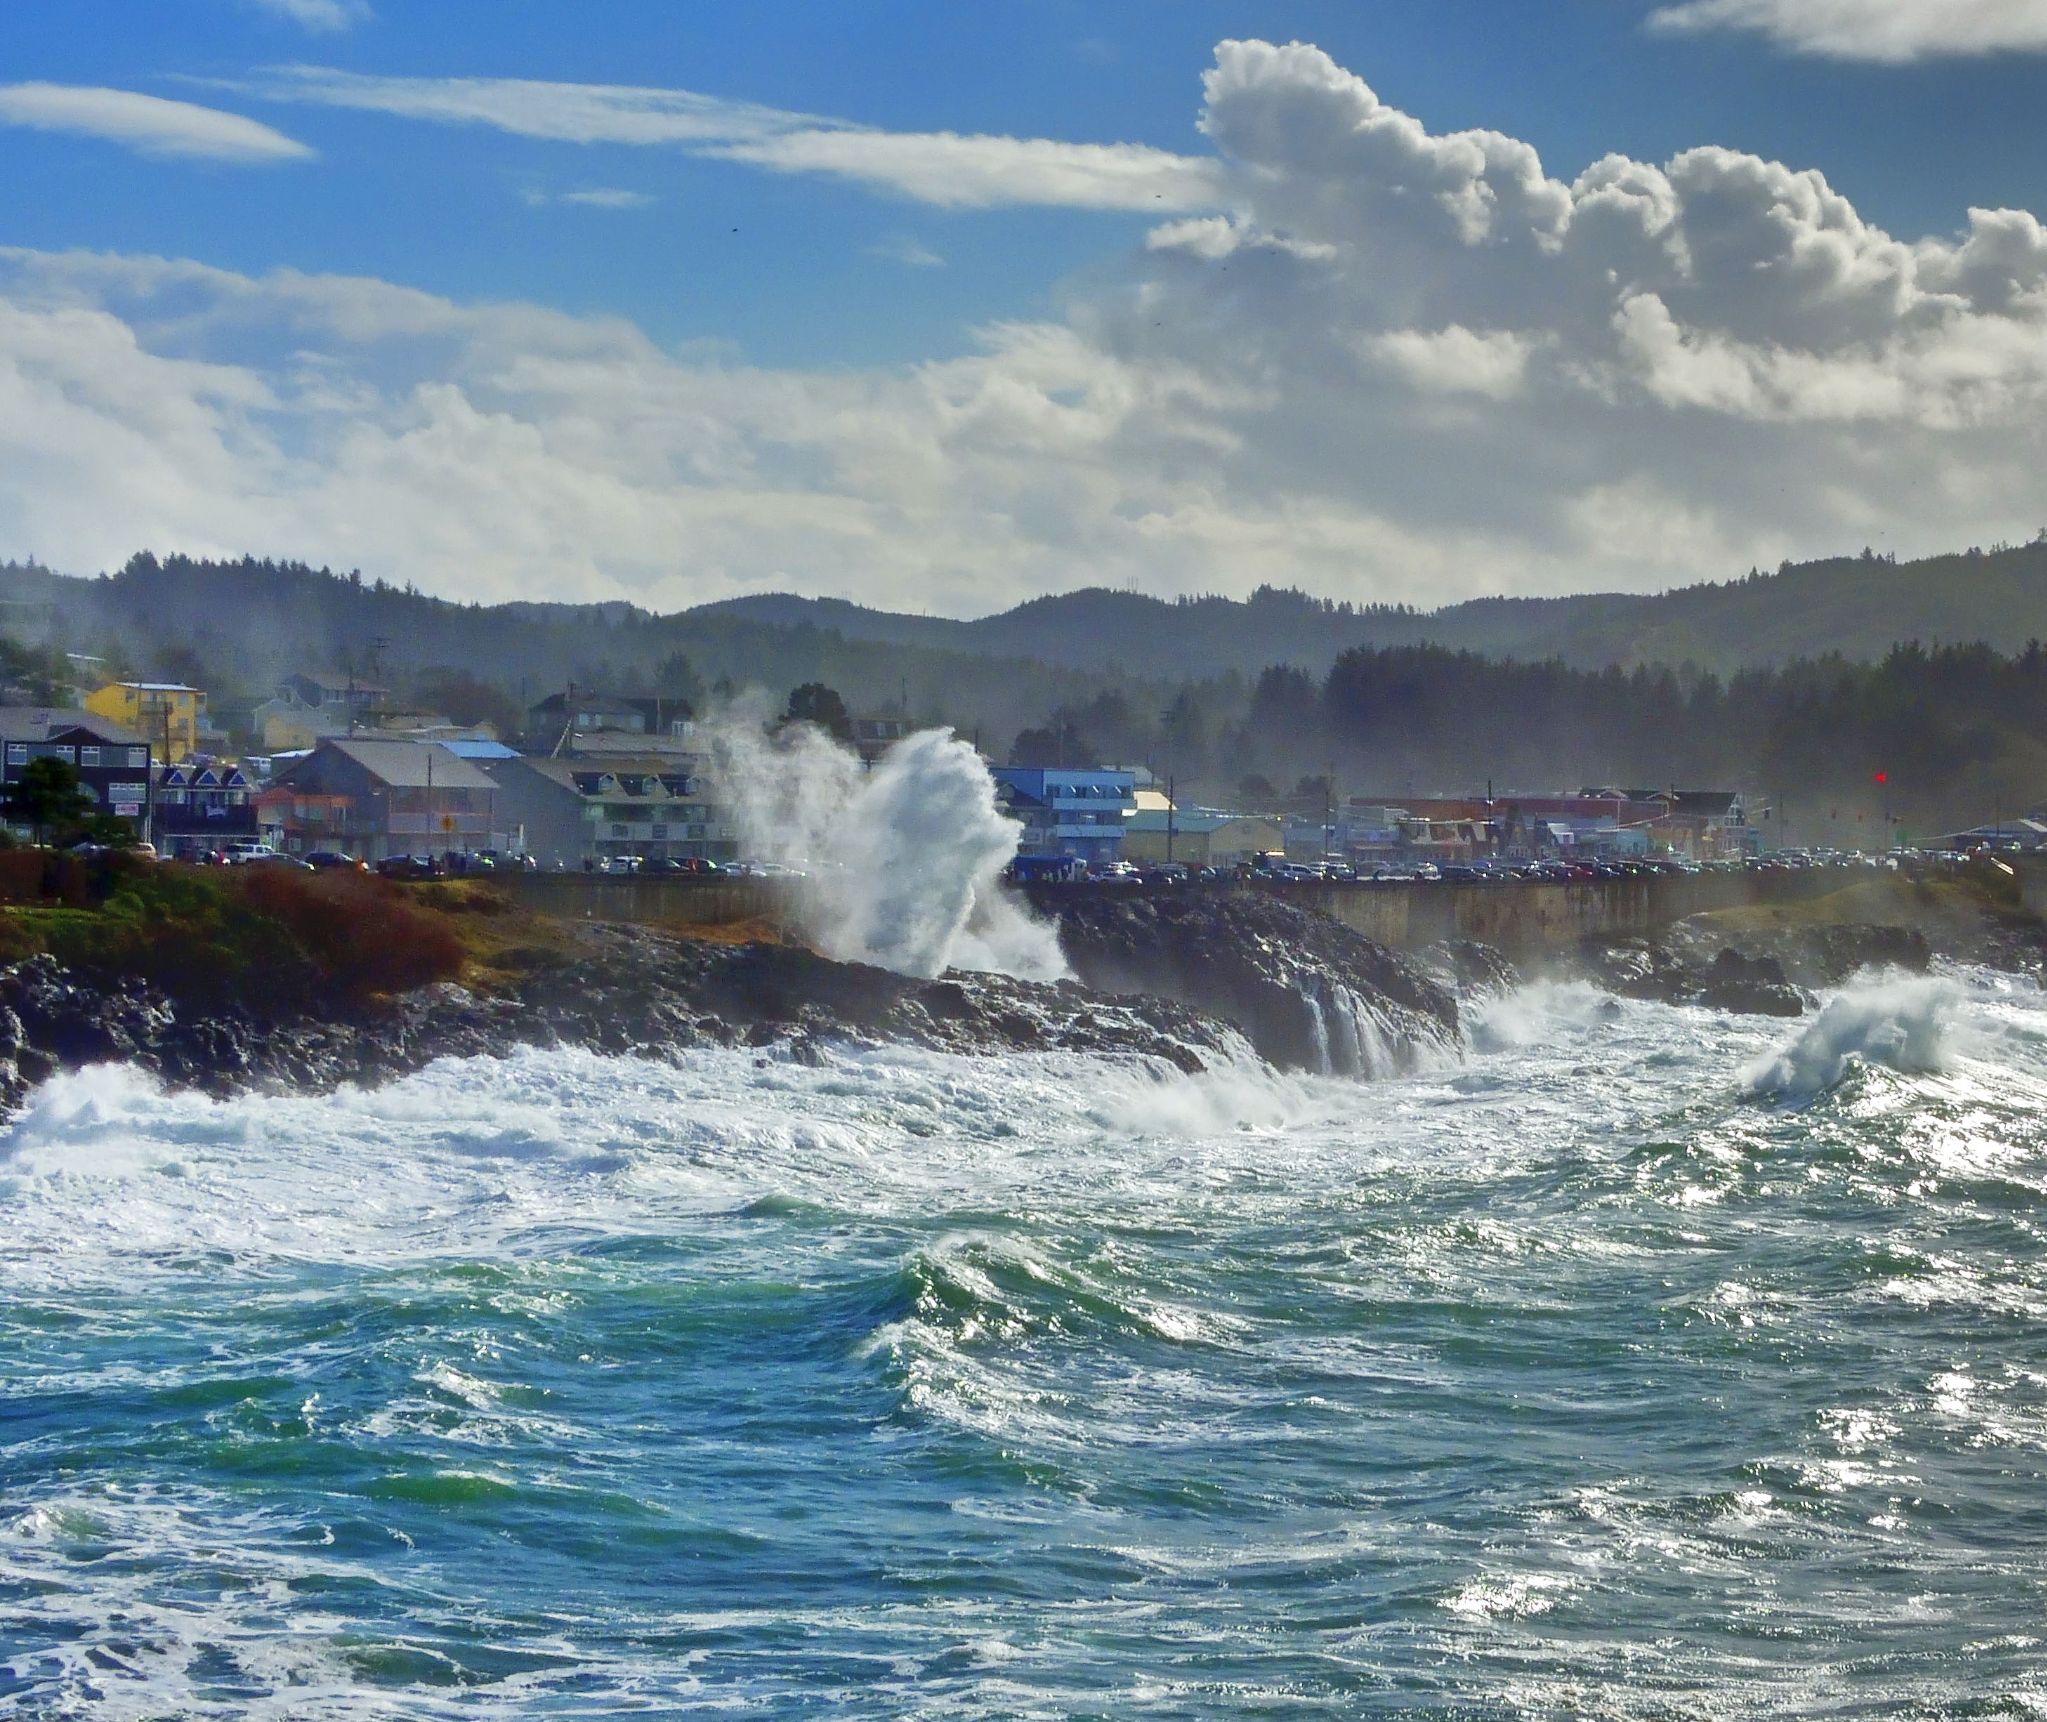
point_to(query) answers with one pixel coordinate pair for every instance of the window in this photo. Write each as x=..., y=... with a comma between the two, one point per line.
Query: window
x=17, y=753
x=618, y=831
x=88, y=755
x=138, y=757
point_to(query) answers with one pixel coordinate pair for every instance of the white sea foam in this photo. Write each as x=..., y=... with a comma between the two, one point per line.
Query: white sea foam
x=901, y=860
x=1898, y=1023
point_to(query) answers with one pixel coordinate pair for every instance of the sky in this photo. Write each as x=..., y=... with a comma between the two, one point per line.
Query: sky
x=940, y=307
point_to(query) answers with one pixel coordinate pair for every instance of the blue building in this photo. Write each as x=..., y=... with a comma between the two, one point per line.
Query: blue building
x=1068, y=811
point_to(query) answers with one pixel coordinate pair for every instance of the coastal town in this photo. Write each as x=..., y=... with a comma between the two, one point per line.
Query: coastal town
x=334, y=770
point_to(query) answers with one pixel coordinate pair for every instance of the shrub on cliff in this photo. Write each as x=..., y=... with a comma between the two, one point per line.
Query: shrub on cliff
x=364, y=934
x=272, y=940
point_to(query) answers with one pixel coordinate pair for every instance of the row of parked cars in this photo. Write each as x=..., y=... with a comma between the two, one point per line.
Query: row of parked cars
x=692, y=866
x=1278, y=870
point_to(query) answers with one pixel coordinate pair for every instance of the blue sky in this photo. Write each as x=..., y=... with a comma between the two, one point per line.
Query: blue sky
x=794, y=219
x=815, y=274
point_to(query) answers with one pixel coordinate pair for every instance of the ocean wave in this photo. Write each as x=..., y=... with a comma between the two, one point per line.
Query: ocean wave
x=1900, y=1024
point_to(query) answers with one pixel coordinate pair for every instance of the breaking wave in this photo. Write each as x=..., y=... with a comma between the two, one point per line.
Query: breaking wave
x=901, y=860
x=1901, y=1024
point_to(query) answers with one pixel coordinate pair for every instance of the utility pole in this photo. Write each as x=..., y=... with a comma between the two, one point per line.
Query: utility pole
x=1169, y=818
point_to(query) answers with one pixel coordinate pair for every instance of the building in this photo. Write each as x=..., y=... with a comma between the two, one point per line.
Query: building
x=1199, y=836
x=377, y=798
x=201, y=806
x=575, y=811
x=317, y=690
x=874, y=736
x=1067, y=810
x=553, y=724
x=111, y=760
x=2026, y=834
x=169, y=714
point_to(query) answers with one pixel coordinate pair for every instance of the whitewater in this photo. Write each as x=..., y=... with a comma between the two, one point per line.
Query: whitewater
x=1636, y=1362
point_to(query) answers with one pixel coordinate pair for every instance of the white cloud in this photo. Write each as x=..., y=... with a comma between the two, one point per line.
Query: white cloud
x=948, y=169
x=561, y=113
x=317, y=14
x=908, y=250
x=148, y=124
x=1456, y=361
x=965, y=172
x=1402, y=366
x=589, y=197
x=1894, y=31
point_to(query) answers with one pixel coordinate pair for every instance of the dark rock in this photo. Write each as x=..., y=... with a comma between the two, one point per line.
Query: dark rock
x=1469, y=969
x=1651, y=970
x=1752, y=985
x=1307, y=992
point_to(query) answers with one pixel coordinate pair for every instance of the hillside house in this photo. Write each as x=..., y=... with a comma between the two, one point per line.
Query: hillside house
x=170, y=715
x=381, y=798
x=574, y=811
x=111, y=760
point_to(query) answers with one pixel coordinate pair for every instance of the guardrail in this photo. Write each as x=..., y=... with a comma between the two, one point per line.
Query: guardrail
x=1523, y=918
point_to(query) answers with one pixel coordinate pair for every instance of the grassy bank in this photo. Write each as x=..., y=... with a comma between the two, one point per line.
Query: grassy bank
x=269, y=937
x=1947, y=910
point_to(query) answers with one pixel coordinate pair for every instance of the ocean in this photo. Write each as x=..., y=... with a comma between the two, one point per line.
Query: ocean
x=1635, y=1362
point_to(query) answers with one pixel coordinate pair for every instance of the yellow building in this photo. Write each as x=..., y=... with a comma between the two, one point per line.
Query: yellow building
x=167, y=713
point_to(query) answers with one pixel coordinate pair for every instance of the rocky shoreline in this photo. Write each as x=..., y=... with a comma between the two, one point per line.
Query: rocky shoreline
x=1189, y=980
x=1188, y=985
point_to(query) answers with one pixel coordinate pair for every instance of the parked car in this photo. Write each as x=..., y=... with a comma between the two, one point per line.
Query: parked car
x=409, y=867
x=276, y=859
x=324, y=858
x=241, y=849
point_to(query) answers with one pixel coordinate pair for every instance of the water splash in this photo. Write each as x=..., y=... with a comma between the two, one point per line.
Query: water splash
x=902, y=861
x=1901, y=1023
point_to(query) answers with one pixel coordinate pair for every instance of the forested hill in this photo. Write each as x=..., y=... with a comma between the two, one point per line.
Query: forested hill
x=246, y=620
x=1857, y=606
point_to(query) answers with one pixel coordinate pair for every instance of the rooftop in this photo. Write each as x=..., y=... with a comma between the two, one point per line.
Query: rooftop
x=411, y=764
x=37, y=723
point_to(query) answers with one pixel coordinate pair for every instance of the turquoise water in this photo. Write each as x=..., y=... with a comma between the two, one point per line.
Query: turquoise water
x=1641, y=1363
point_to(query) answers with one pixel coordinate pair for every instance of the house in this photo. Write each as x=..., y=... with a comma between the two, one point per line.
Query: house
x=1067, y=810
x=316, y=690
x=285, y=726
x=201, y=806
x=2004, y=834
x=377, y=798
x=169, y=714
x=576, y=811
x=1198, y=836
x=874, y=736
x=112, y=761
x=553, y=724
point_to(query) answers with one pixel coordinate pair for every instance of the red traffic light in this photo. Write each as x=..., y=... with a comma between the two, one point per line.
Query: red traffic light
x=1882, y=777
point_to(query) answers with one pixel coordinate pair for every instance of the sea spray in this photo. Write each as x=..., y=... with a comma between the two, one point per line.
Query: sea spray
x=901, y=860
x=1899, y=1023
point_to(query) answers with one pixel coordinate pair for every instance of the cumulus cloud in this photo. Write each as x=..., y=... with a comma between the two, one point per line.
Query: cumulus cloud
x=1395, y=364
x=1893, y=31
x=316, y=14
x=148, y=124
x=947, y=169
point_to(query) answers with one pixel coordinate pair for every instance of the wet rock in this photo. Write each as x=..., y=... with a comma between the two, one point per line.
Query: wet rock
x=1753, y=986
x=1649, y=969
x=1306, y=991
x=1469, y=969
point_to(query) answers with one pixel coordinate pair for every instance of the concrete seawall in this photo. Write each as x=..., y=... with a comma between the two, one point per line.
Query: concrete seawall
x=1522, y=920
x=653, y=900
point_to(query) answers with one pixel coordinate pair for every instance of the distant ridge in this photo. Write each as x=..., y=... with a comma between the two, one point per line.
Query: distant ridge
x=1857, y=606
x=254, y=616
